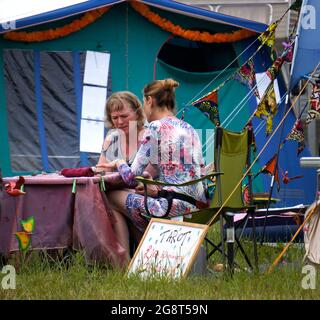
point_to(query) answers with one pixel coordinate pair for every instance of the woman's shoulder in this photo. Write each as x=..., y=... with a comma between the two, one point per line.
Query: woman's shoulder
x=111, y=137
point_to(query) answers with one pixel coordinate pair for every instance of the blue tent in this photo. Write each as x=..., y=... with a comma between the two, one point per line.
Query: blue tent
x=41, y=83
x=307, y=46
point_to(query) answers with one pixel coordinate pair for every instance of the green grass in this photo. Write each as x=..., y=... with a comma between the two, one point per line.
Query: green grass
x=44, y=278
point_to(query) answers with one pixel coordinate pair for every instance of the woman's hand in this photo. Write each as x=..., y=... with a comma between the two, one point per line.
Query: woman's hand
x=152, y=190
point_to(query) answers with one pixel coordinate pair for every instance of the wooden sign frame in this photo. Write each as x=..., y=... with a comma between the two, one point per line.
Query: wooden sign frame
x=172, y=254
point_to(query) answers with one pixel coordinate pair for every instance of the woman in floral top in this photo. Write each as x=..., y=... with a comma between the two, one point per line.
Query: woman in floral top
x=173, y=148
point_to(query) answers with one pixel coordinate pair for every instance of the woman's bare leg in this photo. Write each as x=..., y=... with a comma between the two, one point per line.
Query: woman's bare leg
x=122, y=232
x=117, y=200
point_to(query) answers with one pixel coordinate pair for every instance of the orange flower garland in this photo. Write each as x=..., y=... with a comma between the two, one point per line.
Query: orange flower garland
x=51, y=34
x=190, y=34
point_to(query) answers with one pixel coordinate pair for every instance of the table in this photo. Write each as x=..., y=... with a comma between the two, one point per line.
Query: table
x=80, y=220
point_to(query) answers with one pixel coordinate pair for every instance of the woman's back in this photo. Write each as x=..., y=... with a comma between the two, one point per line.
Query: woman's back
x=173, y=147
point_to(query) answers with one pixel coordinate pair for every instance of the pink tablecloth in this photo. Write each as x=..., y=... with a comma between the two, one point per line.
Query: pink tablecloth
x=62, y=219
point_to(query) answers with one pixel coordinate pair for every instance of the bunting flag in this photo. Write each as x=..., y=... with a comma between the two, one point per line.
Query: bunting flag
x=268, y=37
x=24, y=240
x=247, y=76
x=15, y=188
x=28, y=224
x=271, y=168
x=273, y=71
x=209, y=106
x=314, y=111
x=297, y=134
x=267, y=108
x=286, y=56
x=288, y=51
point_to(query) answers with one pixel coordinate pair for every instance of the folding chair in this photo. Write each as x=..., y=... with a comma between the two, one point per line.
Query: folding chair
x=231, y=159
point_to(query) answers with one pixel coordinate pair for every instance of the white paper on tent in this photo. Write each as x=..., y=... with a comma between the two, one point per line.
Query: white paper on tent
x=93, y=102
x=96, y=69
x=91, y=135
x=262, y=83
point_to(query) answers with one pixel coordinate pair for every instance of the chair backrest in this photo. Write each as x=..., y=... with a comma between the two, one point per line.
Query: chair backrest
x=230, y=157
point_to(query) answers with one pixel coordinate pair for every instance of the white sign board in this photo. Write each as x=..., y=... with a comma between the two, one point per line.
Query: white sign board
x=168, y=248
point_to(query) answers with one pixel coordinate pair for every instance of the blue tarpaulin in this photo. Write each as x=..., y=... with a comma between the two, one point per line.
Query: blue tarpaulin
x=307, y=46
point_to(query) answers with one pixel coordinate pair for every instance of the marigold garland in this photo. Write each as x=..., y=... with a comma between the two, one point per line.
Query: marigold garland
x=190, y=34
x=51, y=34
x=91, y=16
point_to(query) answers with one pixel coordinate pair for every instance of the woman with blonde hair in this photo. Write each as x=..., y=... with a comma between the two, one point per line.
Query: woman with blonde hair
x=173, y=148
x=125, y=118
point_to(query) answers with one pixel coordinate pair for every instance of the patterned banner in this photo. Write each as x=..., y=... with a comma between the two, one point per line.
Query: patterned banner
x=267, y=108
x=286, y=56
x=297, y=134
x=273, y=71
x=268, y=37
x=314, y=111
x=209, y=106
x=247, y=76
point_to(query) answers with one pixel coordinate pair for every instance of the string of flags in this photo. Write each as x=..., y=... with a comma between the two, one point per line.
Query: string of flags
x=208, y=103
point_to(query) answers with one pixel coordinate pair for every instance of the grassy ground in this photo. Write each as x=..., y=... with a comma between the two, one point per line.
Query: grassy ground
x=43, y=278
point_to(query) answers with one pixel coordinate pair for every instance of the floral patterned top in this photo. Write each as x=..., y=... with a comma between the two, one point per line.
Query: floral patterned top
x=173, y=147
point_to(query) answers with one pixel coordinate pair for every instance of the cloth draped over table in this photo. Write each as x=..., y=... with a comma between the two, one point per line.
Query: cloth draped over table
x=64, y=220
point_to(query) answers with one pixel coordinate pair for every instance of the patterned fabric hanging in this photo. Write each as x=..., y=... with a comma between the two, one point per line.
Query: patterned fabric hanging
x=209, y=106
x=297, y=134
x=288, y=51
x=268, y=37
x=286, y=56
x=24, y=240
x=247, y=76
x=267, y=108
x=314, y=111
x=273, y=71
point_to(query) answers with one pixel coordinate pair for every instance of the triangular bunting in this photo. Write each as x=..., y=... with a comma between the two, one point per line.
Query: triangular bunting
x=268, y=37
x=314, y=100
x=288, y=51
x=273, y=71
x=271, y=168
x=267, y=108
x=24, y=240
x=286, y=55
x=297, y=134
x=209, y=106
x=28, y=224
x=247, y=76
